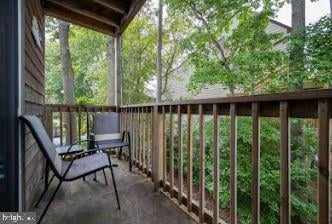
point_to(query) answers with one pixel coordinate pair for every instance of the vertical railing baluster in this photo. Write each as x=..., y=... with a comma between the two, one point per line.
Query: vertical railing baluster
x=233, y=156
x=125, y=111
x=202, y=165
x=139, y=137
x=151, y=152
x=132, y=134
x=180, y=156
x=79, y=123
x=255, y=163
x=215, y=164
x=143, y=138
x=164, y=150
x=148, y=130
x=87, y=124
x=70, y=125
x=61, y=128
x=189, y=160
x=171, y=145
x=156, y=152
x=285, y=163
x=148, y=145
x=135, y=134
x=323, y=161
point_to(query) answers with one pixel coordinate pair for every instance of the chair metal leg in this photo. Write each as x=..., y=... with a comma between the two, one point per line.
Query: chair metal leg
x=45, y=190
x=120, y=153
x=49, y=202
x=114, y=185
x=95, y=178
x=105, y=177
x=130, y=162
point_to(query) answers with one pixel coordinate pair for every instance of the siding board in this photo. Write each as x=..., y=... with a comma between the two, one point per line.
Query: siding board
x=34, y=97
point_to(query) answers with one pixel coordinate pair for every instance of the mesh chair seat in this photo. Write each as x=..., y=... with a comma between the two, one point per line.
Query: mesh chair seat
x=85, y=165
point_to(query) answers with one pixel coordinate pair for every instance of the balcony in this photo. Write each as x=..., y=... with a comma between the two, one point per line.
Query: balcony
x=157, y=129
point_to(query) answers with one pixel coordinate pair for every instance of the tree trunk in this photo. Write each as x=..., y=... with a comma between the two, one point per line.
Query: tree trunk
x=159, y=51
x=68, y=80
x=111, y=72
x=297, y=54
x=331, y=8
x=297, y=62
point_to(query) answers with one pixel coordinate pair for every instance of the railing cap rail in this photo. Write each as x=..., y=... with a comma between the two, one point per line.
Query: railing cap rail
x=285, y=96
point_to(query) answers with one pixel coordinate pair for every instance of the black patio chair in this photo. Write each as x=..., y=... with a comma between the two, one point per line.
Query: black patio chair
x=83, y=164
x=106, y=132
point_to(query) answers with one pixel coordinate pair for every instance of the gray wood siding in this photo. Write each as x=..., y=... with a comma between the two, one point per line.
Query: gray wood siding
x=33, y=97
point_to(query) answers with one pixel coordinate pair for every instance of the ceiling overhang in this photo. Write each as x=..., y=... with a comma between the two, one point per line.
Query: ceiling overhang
x=110, y=17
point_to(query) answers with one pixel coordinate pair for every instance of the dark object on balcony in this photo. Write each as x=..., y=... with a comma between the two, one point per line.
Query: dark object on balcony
x=83, y=164
x=106, y=132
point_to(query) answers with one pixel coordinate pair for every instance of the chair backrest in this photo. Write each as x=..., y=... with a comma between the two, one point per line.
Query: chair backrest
x=106, y=126
x=44, y=142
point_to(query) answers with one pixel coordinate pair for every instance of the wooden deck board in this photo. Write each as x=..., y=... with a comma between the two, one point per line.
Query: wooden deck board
x=94, y=202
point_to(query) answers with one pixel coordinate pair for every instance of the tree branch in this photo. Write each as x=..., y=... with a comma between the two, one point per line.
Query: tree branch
x=199, y=15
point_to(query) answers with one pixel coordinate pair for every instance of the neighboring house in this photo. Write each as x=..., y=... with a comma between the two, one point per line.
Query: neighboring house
x=178, y=82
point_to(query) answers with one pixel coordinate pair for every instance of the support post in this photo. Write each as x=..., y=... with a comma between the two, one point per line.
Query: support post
x=118, y=72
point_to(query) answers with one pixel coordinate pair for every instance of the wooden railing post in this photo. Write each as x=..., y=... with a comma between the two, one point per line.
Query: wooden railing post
x=255, y=163
x=156, y=148
x=180, y=159
x=202, y=165
x=48, y=121
x=148, y=140
x=323, y=161
x=233, y=155
x=216, y=172
x=189, y=159
x=171, y=146
x=164, y=149
x=285, y=163
x=143, y=138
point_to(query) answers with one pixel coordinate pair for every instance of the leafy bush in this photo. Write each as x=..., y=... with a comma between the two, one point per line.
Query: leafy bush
x=303, y=181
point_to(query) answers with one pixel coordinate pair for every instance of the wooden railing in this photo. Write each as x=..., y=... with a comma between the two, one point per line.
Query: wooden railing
x=149, y=123
x=152, y=127
x=70, y=123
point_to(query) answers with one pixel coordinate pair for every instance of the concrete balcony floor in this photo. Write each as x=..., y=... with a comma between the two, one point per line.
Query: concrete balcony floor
x=92, y=202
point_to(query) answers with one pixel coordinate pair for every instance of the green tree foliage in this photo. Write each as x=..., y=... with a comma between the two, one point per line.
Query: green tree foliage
x=89, y=55
x=303, y=177
x=139, y=57
x=317, y=39
x=229, y=43
x=88, y=51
